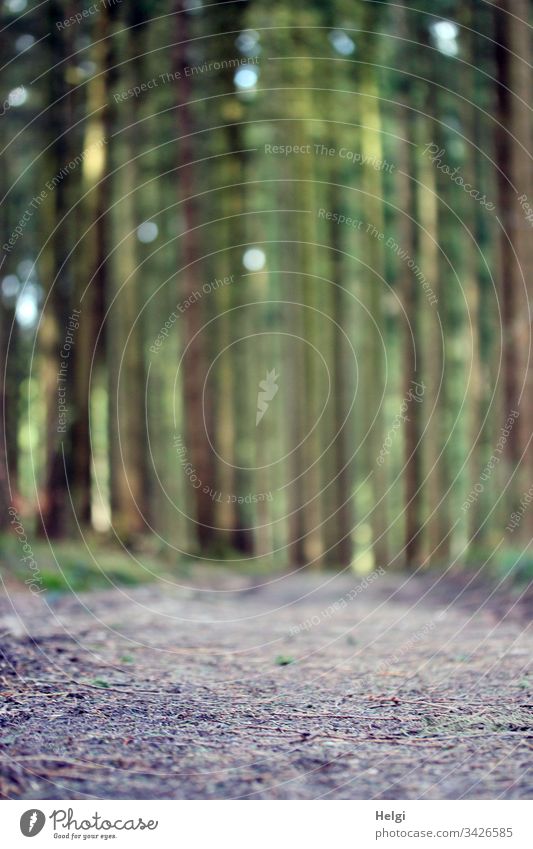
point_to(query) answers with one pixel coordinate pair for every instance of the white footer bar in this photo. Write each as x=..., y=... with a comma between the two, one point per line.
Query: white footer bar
x=268, y=824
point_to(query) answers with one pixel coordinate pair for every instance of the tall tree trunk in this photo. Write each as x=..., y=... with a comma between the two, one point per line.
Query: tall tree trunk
x=130, y=501
x=9, y=367
x=7, y=474
x=412, y=343
x=57, y=271
x=338, y=495
x=513, y=53
x=373, y=368
x=91, y=262
x=478, y=435
x=194, y=363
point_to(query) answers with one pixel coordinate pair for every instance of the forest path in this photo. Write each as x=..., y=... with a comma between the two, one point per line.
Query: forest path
x=410, y=688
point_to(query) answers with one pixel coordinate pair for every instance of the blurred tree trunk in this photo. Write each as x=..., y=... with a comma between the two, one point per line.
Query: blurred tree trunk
x=478, y=434
x=338, y=429
x=9, y=366
x=410, y=295
x=338, y=461
x=311, y=389
x=371, y=290
x=513, y=149
x=91, y=260
x=373, y=366
x=432, y=317
x=130, y=491
x=7, y=448
x=59, y=224
x=307, y=377
x=194, y=363
x=238, y=371
x=431, y=344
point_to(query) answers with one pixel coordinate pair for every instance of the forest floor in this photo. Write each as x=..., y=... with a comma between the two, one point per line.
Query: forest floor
x=414, y=688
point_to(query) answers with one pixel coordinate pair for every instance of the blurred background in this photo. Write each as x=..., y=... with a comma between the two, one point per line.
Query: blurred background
x=265, y=275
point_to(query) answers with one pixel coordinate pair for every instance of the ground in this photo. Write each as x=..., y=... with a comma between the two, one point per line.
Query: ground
x=409, y=688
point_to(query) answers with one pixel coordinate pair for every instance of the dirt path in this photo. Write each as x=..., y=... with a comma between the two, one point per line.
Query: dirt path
x=403, y=690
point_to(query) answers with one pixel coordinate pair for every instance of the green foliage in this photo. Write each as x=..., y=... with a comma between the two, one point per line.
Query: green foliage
x=72, y=567
x=284, y=660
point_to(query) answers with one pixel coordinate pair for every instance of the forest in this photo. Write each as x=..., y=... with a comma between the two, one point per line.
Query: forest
x=319, y=207
x=266, y=269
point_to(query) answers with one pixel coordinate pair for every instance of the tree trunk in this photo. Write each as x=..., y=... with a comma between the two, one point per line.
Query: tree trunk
x=57, y=272
x=513, y=147
x=194, y=363
x=410, y=294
